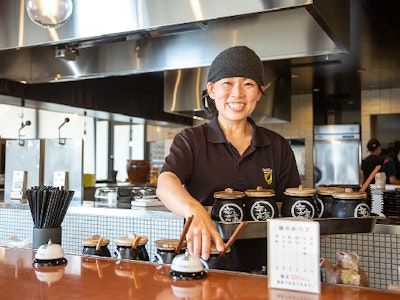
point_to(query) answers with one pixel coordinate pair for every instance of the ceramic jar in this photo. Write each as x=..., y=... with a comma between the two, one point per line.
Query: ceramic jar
x=324, y=200
x=166, y=250
x=260, y=204
x=350, y=204
x=228, y=206
x=96, y=245
x=217, y=262
x=131, y=247
x=299, y=202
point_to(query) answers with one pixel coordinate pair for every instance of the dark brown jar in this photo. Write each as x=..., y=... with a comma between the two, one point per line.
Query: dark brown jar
x=228, y=206
x=96, y=245
x=166, y=250
x=260, y=204
x=299, y=202
x=217, y=262
x=324, y=200
x=131, y=247
x=138, y=171
x=350, y=204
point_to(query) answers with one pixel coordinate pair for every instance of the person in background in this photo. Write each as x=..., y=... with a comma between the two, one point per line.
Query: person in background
x=374, y=159
x=230, y=151
x=390, y=166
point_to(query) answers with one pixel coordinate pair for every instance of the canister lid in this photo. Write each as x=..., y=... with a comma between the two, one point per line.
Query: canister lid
x=350, y=195
x=300, y=191
x=129, y=239
x=260, y=192
x=168, y=244
x=324, y=190
x=229, y=193
x=94, y=241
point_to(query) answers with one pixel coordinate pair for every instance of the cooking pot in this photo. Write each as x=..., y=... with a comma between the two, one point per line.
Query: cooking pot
x=260, y=204
x=131, y=247
x=138, y=171
x=299, y=202
x=325, y=200
x=96, y=245
x=166, y=250
x=228, y=206
x=350, y=204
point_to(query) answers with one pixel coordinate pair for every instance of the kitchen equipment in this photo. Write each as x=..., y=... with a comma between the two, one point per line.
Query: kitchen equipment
x=131, y=247
x=337, y=154
x=324, y=198
x=96, y=245
x=299, y=202
x=138, y=171
x=167, y=250
x=350, y=204
x=186, y=267
x=49, y=255
x=228, y=206
x=260, y=204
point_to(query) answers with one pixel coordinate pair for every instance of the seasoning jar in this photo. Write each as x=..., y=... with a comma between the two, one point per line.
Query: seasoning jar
x=350, y=204
x=166, y=250
x=299, y=202
x=228, y=206
x=96, y=245
x=215, y=261
x=260, y=204
x=324, y=200
x=131, y=247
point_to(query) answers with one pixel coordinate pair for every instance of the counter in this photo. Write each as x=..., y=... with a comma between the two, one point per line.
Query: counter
x=379, y=251
x=85, y=277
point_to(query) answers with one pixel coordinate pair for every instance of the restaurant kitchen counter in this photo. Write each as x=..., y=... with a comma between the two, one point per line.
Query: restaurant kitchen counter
x=88, y=277
x=379, y=251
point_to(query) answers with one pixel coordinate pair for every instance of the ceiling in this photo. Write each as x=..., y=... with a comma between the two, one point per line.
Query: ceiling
x=372, y=63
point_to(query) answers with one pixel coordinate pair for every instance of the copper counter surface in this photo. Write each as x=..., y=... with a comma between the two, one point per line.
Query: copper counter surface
x=85, y=277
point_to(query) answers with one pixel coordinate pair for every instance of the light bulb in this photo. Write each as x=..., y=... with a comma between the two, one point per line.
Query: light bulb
x=84, y=136
x=130, y=143
x=49, y=13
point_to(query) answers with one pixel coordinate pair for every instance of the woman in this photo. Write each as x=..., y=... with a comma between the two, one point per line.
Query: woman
x=228, y=152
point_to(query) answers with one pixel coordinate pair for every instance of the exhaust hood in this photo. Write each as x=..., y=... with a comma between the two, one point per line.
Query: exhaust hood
x=135, y=36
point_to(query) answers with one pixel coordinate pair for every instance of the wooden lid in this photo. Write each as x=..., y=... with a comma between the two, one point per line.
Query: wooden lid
x=94, y=241
x=260, y=192
x=300, y=191
x=228, y=193
x=168, y=244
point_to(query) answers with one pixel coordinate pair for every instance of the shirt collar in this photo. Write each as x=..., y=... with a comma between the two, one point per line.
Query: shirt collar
x=216, y=135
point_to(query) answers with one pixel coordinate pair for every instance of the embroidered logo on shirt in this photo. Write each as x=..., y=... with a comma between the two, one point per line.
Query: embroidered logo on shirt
x=267, y=175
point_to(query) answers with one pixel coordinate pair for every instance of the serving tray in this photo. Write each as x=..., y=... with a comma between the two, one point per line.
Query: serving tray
x=258, y=229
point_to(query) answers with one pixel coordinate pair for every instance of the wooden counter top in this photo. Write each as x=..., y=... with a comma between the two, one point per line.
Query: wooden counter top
x=85, y=277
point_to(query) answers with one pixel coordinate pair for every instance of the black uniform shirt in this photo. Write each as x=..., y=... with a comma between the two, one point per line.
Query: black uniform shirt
x=206, y=162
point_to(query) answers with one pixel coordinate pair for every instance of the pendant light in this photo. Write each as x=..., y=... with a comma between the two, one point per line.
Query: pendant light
x=49, y=13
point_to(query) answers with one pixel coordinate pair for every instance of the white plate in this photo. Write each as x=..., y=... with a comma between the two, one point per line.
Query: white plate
x=146, y=203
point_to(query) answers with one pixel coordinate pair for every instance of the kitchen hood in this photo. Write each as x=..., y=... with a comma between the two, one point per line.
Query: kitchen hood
x=114, y=38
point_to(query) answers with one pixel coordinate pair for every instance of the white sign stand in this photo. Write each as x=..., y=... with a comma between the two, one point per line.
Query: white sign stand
x=294, y=254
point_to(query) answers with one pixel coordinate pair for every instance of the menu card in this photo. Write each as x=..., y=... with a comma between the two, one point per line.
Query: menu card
x=294, y=254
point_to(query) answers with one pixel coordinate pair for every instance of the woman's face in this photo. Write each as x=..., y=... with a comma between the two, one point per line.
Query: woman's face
x=235, y=98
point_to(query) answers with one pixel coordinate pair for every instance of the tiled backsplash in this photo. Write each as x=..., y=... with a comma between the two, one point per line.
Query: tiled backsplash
x=379, y=253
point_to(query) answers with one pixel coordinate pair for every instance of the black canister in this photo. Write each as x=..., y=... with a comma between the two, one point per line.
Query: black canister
x=325, y=200
x=215, y=261
x=166, y=250
x=228, y=206
x=299, y=202
x=349, y=204
x=96, y=245
x=260, y=204
x=131, y=247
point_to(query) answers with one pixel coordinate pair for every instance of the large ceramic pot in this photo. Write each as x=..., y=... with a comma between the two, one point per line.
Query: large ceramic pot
x=325, y=200
x=299, y=202
x=350, y=204
x=260, y=204
x=166, y=250
x=228, y=206
x=96, y=245
x=138, y=171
